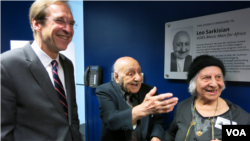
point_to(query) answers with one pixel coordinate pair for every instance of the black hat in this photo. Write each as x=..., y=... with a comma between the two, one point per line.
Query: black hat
x=201, y=62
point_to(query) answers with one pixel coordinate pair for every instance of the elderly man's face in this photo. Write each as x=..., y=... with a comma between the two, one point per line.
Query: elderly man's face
x=181, y=45
x=209, y=83
x=129, y=76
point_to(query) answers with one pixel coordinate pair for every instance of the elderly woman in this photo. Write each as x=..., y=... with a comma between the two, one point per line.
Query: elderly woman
x=200, y=117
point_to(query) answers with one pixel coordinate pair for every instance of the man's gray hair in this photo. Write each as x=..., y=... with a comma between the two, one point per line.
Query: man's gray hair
x=192, y=85
x=114, y=68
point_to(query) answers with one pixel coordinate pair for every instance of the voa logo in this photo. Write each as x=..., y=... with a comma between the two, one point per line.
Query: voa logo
x=236, y=132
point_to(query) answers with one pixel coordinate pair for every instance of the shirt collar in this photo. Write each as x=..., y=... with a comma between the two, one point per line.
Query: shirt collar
x=44, y=58
x=123, y=92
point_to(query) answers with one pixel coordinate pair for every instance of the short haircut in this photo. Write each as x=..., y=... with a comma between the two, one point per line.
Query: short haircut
x=39, y=10
x=114, y=68
x=179, y=32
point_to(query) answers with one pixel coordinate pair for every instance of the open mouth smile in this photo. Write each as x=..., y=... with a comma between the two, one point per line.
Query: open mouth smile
x=63, y=37
x=135, y=85
x=212, y=91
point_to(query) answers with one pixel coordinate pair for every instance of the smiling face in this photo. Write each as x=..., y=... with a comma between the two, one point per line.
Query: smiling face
x=128, y=74
x=181, y=44
x=55, y=36
x=209, y=83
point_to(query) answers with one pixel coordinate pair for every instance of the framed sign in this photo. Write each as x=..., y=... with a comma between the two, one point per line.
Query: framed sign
x=225, y=36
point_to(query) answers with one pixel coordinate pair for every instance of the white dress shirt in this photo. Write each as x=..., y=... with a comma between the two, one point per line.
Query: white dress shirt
x=180, y=64
x=46, y=61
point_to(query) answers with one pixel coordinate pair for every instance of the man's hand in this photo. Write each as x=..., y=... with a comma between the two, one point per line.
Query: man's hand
x=154, y=105
x=157, y=104
x=155, y=139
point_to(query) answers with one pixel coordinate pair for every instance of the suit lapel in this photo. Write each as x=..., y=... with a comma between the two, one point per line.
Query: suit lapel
x=117, y=88
x=121, y=102
x=67, y=71
x=145, y=120
x=187, y=62
x=173, y=62
x=41, y=75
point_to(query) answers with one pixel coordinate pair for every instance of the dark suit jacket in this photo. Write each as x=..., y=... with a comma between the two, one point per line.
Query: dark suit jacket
x=116, y=115
x=173, y=65
x=30, y=106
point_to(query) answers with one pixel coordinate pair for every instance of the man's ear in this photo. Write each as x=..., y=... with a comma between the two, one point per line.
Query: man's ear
x=116, y=76
x=36, y=25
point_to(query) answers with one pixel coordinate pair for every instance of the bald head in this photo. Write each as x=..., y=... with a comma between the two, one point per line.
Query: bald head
x=181, y=44
x=127, y=73
x=123, y=61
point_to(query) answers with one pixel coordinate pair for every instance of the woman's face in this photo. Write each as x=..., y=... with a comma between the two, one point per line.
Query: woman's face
x=209, y=83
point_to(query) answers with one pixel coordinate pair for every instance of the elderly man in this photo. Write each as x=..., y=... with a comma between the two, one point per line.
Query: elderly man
x=38, y=99
x=180, y=58
x=129, y=109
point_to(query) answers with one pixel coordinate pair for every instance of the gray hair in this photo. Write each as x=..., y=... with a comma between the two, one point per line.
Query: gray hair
x=114, y=69
x=192, y=85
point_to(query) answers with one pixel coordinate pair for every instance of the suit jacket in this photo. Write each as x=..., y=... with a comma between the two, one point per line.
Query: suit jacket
x=173, y=65
x=30, y=108
x=116, y=115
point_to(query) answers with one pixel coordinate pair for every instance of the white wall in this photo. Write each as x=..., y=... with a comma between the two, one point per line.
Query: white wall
x=77, y=11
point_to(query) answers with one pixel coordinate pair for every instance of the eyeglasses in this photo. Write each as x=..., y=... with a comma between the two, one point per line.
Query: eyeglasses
x=62, y=22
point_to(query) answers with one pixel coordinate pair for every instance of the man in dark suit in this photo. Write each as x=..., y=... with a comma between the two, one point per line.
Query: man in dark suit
x=128, y=108
x=36, y=103
x=180, y=58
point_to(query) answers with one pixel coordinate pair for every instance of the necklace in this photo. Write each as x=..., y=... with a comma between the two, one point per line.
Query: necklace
x=199, y=133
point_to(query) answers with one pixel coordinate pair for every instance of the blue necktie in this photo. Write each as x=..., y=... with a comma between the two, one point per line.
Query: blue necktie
x=59, y=88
